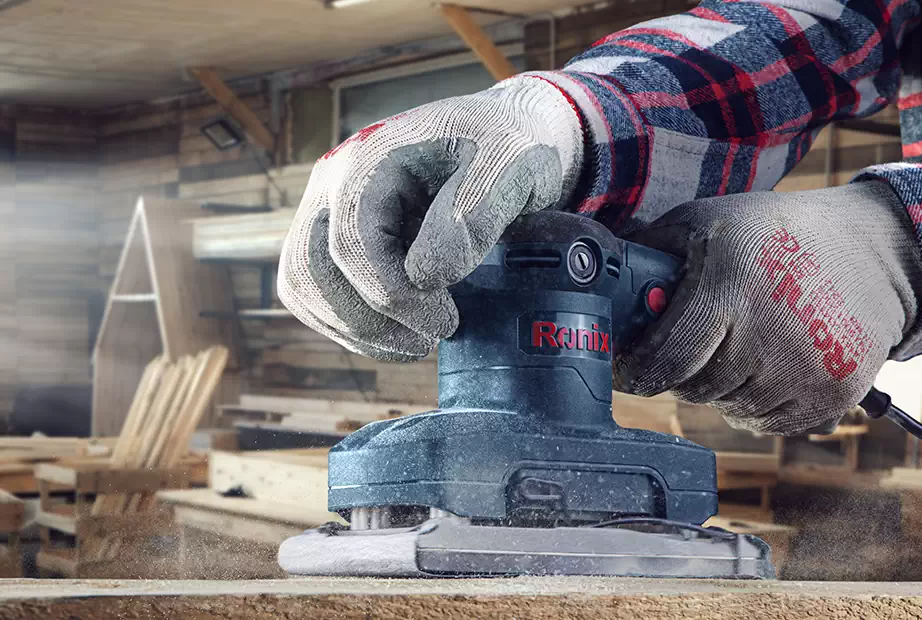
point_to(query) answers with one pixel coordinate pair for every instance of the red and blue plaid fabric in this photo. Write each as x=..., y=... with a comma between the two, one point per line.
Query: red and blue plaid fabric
x=729, y=96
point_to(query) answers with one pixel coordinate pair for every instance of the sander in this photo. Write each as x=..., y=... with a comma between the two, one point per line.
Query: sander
x=522, y=469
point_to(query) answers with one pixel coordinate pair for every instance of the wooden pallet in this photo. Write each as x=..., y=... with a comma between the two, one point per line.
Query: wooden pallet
x=238, y=537
x=12, y=520
x=77, y=529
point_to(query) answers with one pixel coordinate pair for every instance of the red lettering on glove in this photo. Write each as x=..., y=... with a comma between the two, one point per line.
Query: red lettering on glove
x=832, y=330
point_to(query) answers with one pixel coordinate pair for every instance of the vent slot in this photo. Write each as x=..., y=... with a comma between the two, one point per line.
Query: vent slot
x=613, y=267
x=524, y=259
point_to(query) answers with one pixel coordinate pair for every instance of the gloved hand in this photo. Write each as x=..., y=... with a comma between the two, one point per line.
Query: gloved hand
x=410, y=205
x=789, y=304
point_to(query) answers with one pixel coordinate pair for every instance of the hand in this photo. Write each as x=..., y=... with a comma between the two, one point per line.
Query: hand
x=411, y=204
x=788, y=307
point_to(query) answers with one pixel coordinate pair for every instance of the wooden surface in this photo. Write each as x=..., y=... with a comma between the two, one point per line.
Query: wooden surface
x=523, y=598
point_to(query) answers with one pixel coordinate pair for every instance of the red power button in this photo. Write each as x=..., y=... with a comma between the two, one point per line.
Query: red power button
x=656, y=300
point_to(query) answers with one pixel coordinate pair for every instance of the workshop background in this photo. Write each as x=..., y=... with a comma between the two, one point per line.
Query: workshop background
x=151, y=158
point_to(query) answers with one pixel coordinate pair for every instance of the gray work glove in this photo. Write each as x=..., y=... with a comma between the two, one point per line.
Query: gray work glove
x=789, y=305
x=410, y=205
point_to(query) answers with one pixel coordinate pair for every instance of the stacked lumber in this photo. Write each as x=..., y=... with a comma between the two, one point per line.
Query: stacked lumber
x=309, y=365
x=903, y=478
x=20, y=455
x=12, y=520
x=168, y=405
x=39, y=448
x=257, y=236
x=744, y=461
x=316, y=415
x=255, y=500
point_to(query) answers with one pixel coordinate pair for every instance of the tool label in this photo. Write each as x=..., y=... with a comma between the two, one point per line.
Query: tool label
x=565, y=333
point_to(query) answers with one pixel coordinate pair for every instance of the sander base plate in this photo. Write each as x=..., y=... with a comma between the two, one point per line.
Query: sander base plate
x=453, y=547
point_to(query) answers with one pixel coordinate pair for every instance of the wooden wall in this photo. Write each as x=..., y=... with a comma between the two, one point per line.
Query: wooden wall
x=50, y=287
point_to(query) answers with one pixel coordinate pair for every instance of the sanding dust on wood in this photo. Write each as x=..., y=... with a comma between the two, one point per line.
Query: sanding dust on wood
x=397, y=599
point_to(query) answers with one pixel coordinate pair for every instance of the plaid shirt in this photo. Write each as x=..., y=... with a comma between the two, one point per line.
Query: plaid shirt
x=729, y=96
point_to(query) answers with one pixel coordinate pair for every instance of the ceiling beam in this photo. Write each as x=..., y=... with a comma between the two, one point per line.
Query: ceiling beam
x=476, y=39
x=237, y=109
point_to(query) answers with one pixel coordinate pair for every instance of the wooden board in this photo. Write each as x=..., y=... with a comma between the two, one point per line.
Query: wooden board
x=212, y=510
x=906, y=478
x=12, y=512
x=527, y=598
x=100, y=477
x=298, y=478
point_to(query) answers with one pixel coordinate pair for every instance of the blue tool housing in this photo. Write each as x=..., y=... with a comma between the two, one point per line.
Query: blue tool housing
x=524, y=433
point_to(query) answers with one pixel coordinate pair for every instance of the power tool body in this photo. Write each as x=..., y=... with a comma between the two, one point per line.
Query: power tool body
x=522, y=469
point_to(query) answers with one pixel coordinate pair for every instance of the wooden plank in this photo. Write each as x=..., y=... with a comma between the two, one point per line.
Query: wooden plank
x=296, y=479
x=237, y=109
x=479, y=42
x=230, y=525
x=903, y=478
x=727, y=480
x=101, y=477
x=207, y=500
x=842, y=431
x=58, y=562
x=364, y=411
x=51, y=472
x=57, y=521
x=131, y=480
x=747, y=462
x=12, y=512
x=249, y=236
x=185, y=287
x=207, y=439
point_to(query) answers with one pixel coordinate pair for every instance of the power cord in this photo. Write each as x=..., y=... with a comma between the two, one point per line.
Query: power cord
x=878, y=404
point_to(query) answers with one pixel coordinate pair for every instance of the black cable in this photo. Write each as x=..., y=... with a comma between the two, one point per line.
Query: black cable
x=879, y=404
x=676, y=525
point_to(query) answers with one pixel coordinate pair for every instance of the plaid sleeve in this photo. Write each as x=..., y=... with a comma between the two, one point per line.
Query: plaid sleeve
x=906, y=180
x=724, y=98
x=910, y=101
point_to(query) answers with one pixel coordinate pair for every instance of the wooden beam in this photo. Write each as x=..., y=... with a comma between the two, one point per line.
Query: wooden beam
x=481, y=44
x=237, y=109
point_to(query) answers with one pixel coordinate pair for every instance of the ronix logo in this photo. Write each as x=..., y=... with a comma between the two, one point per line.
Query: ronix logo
x=565, y=333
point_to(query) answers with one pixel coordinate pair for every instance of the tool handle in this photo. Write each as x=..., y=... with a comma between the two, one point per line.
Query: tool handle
x=879, y=404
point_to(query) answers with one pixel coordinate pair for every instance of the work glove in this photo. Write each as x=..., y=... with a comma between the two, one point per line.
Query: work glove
x=410, y=205
x=788, y=306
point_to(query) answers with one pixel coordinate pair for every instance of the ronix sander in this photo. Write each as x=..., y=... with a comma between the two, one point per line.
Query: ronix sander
x=522, y=469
